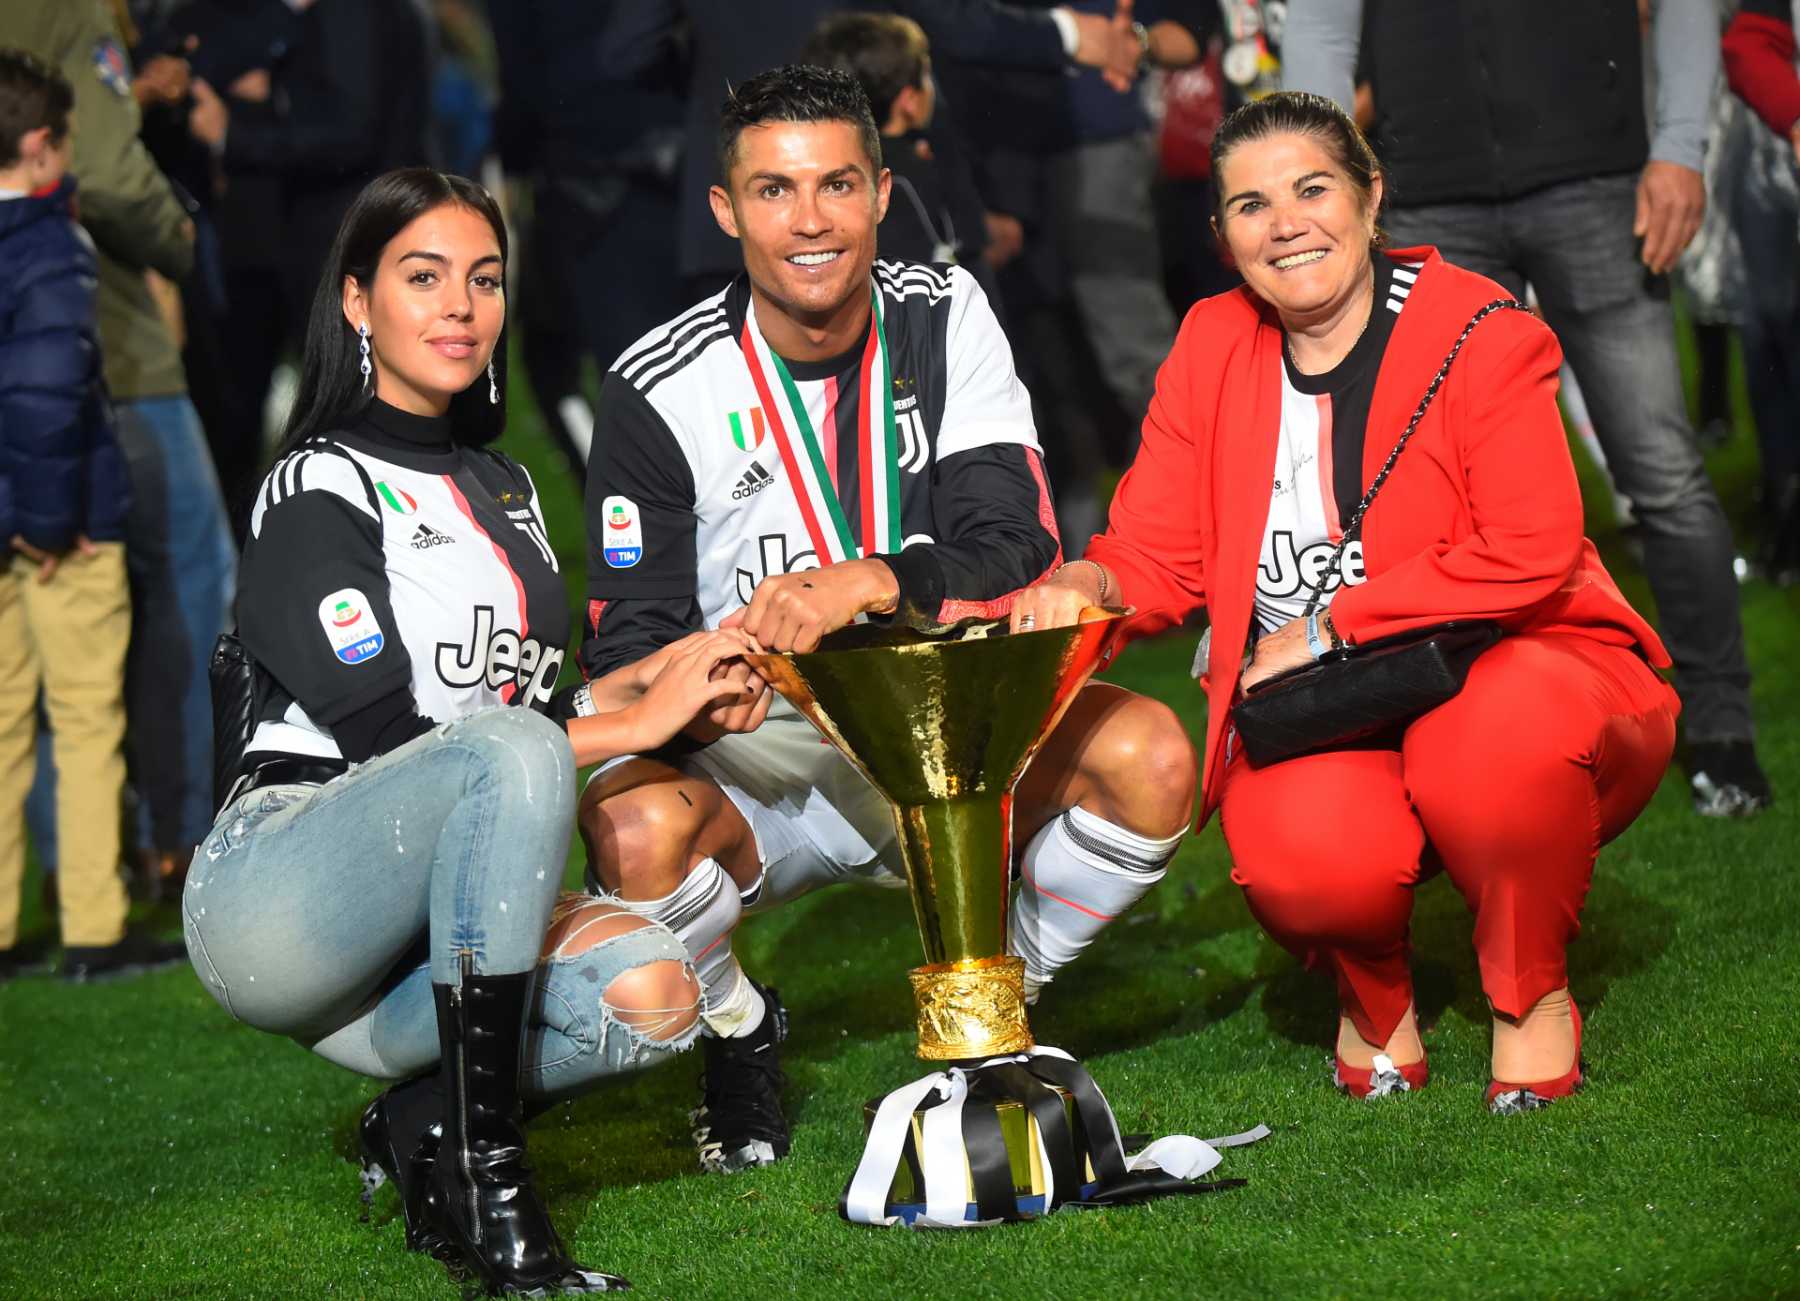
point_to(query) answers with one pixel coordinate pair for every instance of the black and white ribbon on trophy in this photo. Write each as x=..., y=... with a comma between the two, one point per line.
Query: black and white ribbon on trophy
x=962, y=1143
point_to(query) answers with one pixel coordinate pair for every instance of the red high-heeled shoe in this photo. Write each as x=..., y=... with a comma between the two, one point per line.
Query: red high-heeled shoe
x=1505, y=1099
x=1381, y=1079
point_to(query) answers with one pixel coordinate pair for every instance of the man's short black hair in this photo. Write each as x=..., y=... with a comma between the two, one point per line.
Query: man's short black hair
x=32, y=95
x=886, y=53
x=796, y=93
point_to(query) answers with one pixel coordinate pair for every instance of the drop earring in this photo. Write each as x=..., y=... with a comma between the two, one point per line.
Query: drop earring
x=368, y=367
x=493, y=388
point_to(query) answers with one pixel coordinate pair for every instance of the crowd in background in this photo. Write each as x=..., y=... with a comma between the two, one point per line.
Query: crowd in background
x=1060, y=153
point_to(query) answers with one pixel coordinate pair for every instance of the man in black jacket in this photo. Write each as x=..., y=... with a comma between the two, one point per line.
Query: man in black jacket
x=1514, y=139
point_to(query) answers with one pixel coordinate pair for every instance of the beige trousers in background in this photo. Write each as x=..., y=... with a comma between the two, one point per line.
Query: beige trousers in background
x=67, y=636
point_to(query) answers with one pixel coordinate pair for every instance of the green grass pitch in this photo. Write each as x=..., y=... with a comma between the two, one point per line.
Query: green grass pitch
x=154, y=1149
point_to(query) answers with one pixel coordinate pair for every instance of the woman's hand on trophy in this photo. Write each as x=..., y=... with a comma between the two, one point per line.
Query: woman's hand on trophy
x=701, y=679
x=1277, y=652
x=647, y=670
x=791, y=612
x=1059, y=600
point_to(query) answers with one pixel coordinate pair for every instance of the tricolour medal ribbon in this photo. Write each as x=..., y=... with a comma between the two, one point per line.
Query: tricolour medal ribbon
x=809, y=476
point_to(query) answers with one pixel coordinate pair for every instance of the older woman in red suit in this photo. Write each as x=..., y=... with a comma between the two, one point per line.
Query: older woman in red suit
x=1276, y=409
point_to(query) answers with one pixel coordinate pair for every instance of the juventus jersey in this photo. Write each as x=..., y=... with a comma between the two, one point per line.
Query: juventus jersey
x=690, y=503
x=387, y=559
x=1317, y=483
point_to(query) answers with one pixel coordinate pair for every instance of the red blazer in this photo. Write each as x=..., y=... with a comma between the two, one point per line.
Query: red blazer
x=1481, y=518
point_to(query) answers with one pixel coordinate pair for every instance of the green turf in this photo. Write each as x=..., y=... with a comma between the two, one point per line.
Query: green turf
x=155, y=1149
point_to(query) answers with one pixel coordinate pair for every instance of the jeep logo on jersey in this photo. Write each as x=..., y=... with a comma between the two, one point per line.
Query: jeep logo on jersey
x=398, y=500
x=747, y=429
x=494, y=657
x=772, y=556
x=1290, y=570
x=350, y=628
x=623, y=543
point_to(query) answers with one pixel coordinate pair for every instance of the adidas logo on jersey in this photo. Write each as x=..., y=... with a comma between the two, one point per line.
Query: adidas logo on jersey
x=425, y=537
x=755, y=479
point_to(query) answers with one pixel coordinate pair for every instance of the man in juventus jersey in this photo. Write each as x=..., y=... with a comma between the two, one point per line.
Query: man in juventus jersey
x=830, y=437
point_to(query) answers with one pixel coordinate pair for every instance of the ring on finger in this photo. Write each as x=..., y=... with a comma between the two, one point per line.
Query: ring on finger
x=1027, y=622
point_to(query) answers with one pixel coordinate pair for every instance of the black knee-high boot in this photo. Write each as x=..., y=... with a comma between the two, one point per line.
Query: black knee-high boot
x=400, y=1133
x=482, y=1194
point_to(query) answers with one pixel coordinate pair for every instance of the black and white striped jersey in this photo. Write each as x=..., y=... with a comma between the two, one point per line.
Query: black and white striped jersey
x=385, y=559
x=690, y=506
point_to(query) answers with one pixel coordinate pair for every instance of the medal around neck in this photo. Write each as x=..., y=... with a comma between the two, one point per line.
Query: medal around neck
x=943, y=726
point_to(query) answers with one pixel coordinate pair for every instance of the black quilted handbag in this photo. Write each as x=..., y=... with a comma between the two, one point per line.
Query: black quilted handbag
x=1358, y=691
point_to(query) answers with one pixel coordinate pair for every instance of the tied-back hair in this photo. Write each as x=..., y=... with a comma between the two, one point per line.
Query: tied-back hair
x=331, y=395
x=1297, y=112
x=796, y=93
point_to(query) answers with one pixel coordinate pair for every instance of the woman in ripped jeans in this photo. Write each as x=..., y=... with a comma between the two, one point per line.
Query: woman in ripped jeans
x=383, y=884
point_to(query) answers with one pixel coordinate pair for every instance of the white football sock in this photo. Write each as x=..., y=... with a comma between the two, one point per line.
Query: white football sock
x=1078, y=873
x=702, y=911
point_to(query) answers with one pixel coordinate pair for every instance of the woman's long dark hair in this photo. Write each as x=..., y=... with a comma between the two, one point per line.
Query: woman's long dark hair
x=331, y=394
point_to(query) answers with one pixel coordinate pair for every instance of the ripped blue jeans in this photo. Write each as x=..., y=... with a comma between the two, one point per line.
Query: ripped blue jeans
x=326, y=913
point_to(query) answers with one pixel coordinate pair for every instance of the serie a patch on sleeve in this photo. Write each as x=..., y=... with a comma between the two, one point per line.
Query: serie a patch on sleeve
x=350, y=626
x=623, y=545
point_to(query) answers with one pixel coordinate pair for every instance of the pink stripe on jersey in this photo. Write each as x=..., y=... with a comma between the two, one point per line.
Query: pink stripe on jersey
x=828, y=430
x=508, y=691
x=1327, y=487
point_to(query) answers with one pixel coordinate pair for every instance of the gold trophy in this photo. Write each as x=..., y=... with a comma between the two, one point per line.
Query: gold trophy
x=943, y=726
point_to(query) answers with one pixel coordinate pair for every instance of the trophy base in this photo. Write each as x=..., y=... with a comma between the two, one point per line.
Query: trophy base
x=1010, y=1139
x=971, y=1009
x=1024, y=1159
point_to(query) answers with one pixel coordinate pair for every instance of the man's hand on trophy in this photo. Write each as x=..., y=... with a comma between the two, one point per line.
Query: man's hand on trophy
x=791, y=612
x=1060, y=599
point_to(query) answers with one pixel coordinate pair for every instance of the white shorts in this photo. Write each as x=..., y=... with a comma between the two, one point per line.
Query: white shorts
x=815, y=818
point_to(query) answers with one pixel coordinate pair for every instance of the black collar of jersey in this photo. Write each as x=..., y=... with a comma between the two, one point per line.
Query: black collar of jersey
x=1365, y=354
x=737, y=310
x=404, y=439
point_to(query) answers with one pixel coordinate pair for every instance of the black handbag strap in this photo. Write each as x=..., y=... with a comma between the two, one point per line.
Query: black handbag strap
x=1354, y=527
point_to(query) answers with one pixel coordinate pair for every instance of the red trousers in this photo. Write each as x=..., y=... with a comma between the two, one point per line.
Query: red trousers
x=1552, y=748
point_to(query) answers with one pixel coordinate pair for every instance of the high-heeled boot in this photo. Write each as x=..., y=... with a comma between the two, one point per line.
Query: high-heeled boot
x=481, y=1193
x=400, y=1132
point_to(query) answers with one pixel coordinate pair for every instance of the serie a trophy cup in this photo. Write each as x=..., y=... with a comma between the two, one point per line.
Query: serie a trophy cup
x=943, y=726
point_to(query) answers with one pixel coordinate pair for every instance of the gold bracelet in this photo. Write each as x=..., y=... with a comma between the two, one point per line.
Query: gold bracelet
x=1100, y=569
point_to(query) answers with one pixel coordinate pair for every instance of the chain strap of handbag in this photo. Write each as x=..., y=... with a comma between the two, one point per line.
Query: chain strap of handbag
x=1354, y=527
